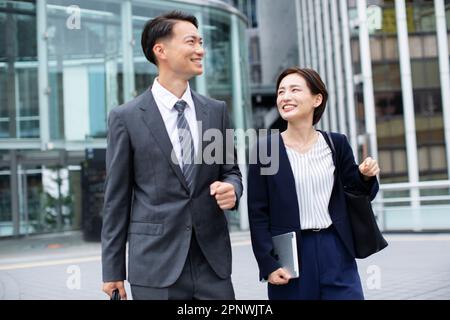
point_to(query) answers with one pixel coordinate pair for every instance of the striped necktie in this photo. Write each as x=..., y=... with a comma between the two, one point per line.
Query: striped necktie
x=187, y=145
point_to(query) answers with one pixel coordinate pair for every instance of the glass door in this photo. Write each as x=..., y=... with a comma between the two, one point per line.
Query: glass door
x=6, y=221
x=45, y=201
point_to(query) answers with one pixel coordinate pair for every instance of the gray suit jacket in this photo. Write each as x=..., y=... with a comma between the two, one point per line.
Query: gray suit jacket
x=147, y=201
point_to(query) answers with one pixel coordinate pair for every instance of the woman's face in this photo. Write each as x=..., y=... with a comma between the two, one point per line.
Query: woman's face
x=294, y=99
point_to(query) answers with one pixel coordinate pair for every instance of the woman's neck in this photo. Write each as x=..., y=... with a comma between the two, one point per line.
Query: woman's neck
x=300, y=133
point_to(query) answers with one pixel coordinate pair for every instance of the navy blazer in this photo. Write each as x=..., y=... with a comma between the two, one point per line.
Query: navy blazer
x=272, y=199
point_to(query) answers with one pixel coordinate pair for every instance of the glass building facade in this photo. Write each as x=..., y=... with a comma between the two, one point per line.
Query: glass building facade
x=426, y=87
x=63, y=66
x=408, y=86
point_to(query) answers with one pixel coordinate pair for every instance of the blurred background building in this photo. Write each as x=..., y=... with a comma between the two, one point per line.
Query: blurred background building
x=385, y=63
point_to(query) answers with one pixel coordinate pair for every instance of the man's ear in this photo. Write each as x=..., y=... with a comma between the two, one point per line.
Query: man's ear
x=159, y=51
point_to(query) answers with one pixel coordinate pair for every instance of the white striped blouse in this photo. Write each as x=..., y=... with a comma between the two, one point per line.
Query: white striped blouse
x=314, y=177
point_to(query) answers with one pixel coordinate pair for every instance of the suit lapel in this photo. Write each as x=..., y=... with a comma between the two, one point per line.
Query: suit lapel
x=153, y=120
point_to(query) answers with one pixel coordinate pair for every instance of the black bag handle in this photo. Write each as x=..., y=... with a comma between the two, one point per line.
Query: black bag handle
x=366, y=234
x=115, y=295
x=331, y=143
x=333, y=150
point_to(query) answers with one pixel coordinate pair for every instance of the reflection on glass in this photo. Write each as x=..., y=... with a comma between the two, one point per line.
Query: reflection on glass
x=217, y=42
x=6, y=228
x=19, y=107
x=46, y=201
x=85, y=67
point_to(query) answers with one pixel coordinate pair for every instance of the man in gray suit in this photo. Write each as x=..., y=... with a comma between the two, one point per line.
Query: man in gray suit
x=166, y=205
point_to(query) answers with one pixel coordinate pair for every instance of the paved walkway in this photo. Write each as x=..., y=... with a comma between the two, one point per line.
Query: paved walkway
x=47, y=267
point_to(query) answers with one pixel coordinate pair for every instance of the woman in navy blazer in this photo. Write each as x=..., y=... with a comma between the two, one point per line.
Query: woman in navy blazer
x=326, y=253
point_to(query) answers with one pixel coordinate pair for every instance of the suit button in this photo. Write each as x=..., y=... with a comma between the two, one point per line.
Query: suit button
x=188, y=228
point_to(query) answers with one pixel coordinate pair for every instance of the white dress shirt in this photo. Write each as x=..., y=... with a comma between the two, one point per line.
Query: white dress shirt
x=314, y=178
x=165, y=100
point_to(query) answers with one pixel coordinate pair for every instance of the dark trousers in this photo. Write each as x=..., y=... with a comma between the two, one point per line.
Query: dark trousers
x=327, y=271
x=197, y=281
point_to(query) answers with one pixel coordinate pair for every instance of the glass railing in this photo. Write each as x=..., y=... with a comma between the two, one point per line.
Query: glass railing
x=421, y=206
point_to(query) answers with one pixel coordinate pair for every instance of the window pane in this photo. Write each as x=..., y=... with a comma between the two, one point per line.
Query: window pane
x=19, y=107
x=6, y=227
x=375, y=49
x=423, y=159
x=391, y=48
x=85, y=68
x=438, y=160
x=415, y=47
x=385, y=161
x=430, y=46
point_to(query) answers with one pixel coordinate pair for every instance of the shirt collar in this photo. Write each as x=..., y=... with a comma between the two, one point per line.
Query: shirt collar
x=167, y=98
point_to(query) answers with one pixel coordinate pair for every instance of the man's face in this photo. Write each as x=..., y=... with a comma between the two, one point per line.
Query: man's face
x=183, y=52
